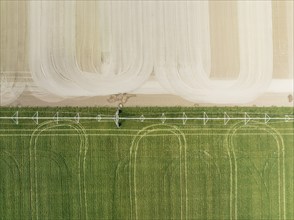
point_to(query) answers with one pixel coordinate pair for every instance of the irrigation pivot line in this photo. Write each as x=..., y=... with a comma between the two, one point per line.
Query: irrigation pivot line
x=163, y=118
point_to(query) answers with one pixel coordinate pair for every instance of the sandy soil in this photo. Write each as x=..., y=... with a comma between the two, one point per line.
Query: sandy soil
x=270, y=99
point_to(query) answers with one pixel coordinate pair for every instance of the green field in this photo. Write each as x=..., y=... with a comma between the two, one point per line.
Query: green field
x=146, y=170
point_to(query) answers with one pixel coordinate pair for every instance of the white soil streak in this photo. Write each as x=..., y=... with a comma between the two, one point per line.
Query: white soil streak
x=78, y=48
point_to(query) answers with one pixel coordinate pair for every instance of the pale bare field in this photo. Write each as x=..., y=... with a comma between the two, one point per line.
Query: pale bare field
x=93, y=49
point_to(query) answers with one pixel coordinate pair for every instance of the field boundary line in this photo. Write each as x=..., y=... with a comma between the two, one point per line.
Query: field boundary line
x=184, y=118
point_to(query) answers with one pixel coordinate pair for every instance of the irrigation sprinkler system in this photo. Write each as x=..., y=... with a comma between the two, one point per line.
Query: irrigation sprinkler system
x=205, y=118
